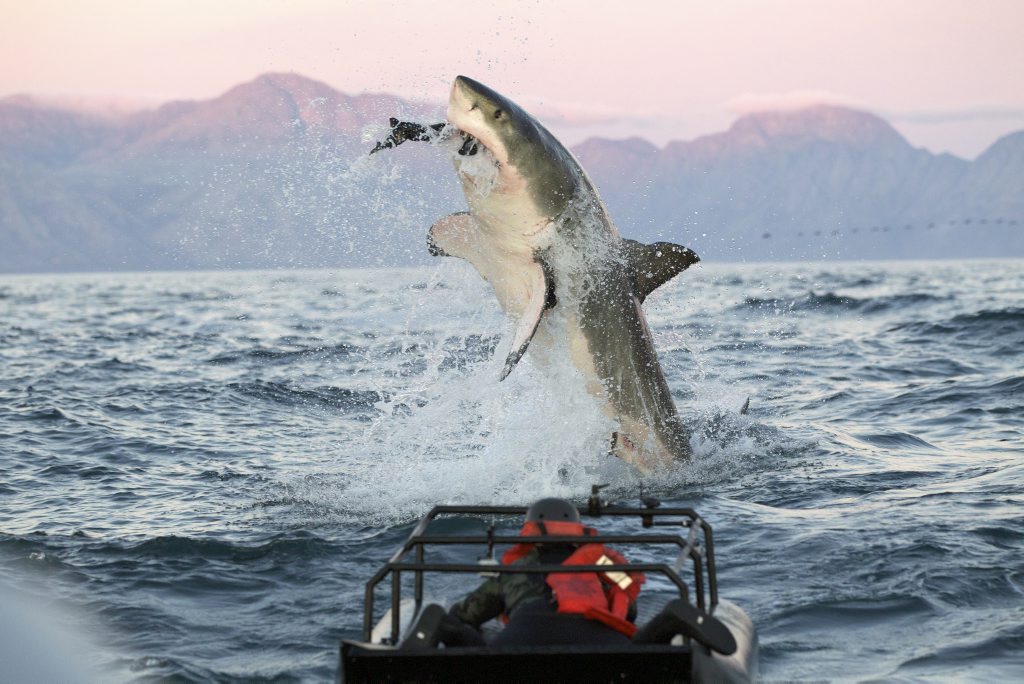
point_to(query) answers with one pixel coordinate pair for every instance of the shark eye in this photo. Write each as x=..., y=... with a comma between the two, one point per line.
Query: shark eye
x=497, y=113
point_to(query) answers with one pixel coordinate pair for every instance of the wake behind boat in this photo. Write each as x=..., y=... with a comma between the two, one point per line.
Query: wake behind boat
x=693, y=637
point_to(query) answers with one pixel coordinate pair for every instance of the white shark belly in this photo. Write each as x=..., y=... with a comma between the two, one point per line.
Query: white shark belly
x=509, y=234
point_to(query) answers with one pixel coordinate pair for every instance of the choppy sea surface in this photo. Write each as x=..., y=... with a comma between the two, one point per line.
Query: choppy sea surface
x=199, y=471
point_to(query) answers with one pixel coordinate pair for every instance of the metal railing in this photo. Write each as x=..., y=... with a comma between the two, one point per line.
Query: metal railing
x=689, y=549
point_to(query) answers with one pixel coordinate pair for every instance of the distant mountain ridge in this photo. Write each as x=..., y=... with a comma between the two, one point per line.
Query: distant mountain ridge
x=273, y=173
x=822, y=182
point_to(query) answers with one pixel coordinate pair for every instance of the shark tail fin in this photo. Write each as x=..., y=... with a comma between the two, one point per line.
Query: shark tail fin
x=745, y=407
x=651, y=266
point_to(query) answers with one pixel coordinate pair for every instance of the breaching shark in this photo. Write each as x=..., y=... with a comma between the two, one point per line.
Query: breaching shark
x=538, y=232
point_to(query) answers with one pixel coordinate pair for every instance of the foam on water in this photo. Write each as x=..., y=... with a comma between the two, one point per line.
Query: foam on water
x=452, y=433
x=452, y=430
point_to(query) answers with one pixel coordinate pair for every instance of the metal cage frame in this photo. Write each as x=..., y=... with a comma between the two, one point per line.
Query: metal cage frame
x=689, y=546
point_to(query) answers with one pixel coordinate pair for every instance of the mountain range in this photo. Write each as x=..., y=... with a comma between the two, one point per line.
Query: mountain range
x=274, y=173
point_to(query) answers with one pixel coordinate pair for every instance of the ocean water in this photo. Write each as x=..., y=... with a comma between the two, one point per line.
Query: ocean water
x=199, y=471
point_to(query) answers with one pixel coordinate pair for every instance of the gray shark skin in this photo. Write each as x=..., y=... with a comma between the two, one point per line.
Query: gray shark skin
x=538, y=232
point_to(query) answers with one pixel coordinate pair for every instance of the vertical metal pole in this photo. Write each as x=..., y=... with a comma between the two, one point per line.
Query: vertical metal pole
x=709, y=543
x=419, y=579
x=396, y=603
x=368, y=611
x=698, y=579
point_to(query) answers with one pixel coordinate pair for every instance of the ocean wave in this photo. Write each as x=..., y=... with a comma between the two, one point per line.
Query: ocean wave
x=155, y=669
x=994, y=323
x=45, y=414
x=967, y=658
x=333, y=397
x=214, y=295
x=860, y=611
x=86, y=471
x=319, y=352
x=830, y=301
x=164, y=669
x=1009, y=387
x=116, y=365
x=865, y=281
x=292, y=547
x=938, y=367
x=895, y=440
x=969, y=399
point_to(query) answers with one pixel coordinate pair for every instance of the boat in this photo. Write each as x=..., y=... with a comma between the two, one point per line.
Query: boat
x=694, y=637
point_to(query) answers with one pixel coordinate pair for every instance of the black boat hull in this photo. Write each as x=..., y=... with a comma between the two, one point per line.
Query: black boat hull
x=362, y=662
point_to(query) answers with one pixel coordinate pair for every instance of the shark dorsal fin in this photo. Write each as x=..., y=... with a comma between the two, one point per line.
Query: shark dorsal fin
x=541, y=298
x=651, y=266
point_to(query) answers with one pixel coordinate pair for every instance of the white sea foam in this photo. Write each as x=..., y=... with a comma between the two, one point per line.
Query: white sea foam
x=463, y=437
x=449, y=432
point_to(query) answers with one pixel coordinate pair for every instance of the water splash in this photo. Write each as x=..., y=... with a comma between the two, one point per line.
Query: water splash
x=479, y=171
x=447, y=431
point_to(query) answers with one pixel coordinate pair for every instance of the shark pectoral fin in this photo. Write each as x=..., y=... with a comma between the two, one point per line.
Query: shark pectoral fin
x=651, y=266
x=541, y=298
x=451, y=236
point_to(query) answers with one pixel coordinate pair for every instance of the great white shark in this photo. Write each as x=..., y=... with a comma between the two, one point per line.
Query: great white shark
x=539, y=234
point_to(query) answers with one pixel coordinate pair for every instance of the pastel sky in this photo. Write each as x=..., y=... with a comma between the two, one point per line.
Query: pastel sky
x=949, y=74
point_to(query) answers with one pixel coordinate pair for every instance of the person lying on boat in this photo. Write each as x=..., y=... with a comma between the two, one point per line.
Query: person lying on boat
x=553, y=609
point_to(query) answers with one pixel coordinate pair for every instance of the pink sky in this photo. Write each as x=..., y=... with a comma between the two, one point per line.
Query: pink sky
x=949, y=74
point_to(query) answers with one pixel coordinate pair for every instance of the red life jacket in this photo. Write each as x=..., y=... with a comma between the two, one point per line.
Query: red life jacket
x=604, y=597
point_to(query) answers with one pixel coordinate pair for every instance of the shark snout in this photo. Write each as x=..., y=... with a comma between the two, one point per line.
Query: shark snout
x=469, y=85
x=461, y=87
x=460, y=100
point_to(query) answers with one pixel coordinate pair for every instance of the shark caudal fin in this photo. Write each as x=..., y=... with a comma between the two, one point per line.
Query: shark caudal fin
x=651, y=266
